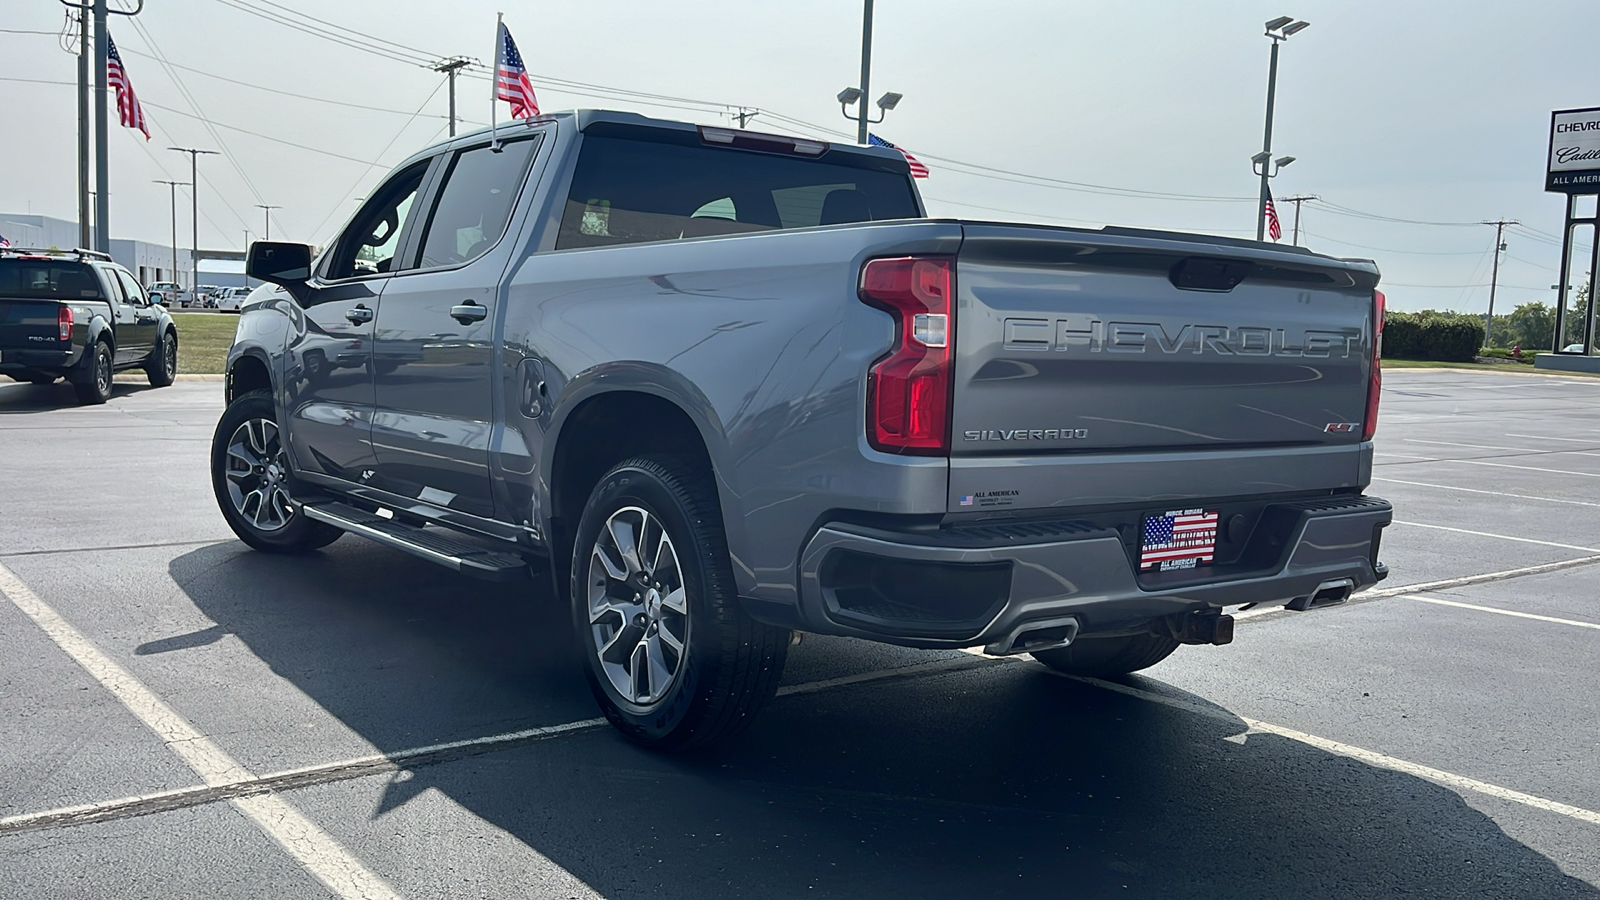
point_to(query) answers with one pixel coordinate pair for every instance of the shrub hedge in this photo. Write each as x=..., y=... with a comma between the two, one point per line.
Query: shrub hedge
x=1431, y=334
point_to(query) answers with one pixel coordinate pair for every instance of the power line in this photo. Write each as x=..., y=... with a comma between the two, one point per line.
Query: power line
x=265, y=137
x=188, y=97
x=260, y=87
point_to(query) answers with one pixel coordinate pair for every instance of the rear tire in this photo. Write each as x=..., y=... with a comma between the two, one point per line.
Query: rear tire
x=249, y=475
x=97, y=387
x=1100, y=657
x=162, y=366
x=671, y=657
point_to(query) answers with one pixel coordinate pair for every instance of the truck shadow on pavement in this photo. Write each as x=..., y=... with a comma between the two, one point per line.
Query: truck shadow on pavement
x=17, y=398
x=996, y=779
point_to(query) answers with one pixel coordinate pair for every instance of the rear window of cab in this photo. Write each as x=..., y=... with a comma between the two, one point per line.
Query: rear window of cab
x=48, y=279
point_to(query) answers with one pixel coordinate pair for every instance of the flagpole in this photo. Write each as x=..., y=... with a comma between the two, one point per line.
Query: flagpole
x=494, y=82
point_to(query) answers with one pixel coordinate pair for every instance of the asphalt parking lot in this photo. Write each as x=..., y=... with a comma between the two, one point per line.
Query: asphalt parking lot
x=185, y=718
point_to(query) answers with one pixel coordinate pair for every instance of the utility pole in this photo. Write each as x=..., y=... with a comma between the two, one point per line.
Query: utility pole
x=85, y=236
x=1494, y=279
x=194, y=212
x=450, y=67
x=266, y=213
x=102, y=177
x=744, y=115
x=173, y=187
x=1297, y=201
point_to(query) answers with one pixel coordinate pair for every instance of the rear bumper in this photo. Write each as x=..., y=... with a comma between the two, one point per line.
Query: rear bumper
x=972, y=585
x=53, y=361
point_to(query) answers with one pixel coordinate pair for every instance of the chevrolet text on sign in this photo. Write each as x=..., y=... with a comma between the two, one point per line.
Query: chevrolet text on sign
x=1574, y=152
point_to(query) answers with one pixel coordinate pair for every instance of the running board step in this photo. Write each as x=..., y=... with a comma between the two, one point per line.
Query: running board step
x=462, y=555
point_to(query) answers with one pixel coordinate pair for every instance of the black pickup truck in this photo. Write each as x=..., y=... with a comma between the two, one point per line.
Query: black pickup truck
x=77, y=315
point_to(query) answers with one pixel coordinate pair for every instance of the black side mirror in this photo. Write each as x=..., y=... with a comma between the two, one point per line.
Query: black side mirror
x=281, y=263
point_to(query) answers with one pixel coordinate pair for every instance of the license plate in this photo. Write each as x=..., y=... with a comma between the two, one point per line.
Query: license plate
x=1178, y=539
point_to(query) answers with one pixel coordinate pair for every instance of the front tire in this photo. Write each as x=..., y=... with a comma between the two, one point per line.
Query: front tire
x=1102, y=657
x=96, y=388
x=249, y=475
x=162, y=366
x=671, y=657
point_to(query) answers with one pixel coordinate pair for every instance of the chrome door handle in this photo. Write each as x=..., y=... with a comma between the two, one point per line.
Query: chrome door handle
x=468, y=312
x=359, y=315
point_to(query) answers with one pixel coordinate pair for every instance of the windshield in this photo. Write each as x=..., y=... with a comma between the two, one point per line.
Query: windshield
x=47, y=279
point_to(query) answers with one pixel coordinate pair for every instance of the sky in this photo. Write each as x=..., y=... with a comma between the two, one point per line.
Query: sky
x=1436, y=113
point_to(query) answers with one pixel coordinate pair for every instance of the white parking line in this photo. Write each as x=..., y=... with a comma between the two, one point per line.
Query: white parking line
x=313, y=848
x=1503, y=537
x=1547, y=437
x=1498, y=447
x=1495, y=465
x=1451, y=487
x=1504, y=612
x=1349, y=751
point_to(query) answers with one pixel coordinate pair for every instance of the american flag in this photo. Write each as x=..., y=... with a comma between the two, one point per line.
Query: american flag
x=4, y=241
x=918, y=170
x=1274, y=229
x=1179, y=539
x=128, y=108
x=511, y=78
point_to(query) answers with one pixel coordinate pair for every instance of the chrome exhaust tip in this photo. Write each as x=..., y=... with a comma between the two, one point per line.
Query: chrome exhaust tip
x=1032, y=637
x=1328, y=593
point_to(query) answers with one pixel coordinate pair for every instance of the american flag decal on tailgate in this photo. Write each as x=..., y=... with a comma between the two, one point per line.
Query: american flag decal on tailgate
x=1179, y=540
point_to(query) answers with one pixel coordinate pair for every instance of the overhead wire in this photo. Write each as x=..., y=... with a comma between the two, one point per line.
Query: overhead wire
x=261, y=87
x=188, y=97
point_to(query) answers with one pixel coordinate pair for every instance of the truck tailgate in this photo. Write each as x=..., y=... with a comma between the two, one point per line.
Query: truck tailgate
x=1159, y=366
x=29, y=324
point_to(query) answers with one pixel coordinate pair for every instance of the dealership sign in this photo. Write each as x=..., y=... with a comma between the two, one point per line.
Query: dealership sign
x=1574, y=152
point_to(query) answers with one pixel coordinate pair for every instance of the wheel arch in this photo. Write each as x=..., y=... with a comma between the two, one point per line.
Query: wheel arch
x=247, y=372
x=601, y=424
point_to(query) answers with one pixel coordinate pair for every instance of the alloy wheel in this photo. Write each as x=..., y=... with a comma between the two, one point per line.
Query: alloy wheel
x=638, y=608
x=257, y=472
x=102, y=371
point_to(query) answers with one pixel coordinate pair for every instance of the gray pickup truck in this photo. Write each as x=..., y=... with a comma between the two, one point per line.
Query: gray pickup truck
x=724, y=386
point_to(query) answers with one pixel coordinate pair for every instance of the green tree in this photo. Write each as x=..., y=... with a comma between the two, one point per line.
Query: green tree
x=1530, y=326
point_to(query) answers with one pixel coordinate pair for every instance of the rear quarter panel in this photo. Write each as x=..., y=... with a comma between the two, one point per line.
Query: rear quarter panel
x=760, y=339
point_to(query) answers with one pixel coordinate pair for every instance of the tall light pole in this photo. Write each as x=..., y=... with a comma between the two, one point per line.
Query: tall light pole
x=858, y=95
x=194, y=212
x=266, y=214
x=1279, y=29
x=173, y=186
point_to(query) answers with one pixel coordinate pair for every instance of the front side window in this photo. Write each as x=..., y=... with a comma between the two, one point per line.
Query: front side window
x=131, y=287
x=368, y=246
x=627, y=191
x=475, y=202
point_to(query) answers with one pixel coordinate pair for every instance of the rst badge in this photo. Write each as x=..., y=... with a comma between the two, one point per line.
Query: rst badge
x=1340, y=427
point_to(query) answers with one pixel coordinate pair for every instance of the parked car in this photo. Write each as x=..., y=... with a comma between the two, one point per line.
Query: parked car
x=729, y=385
x=77, y=315
x=231, y=299
x=171, y=292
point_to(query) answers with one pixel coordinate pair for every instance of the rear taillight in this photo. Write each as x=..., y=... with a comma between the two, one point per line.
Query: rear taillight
x=1375, y=386
x=908, y=390
x=64, y=323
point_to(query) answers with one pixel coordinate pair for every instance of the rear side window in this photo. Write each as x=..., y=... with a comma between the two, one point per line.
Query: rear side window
x=629, y=191
x=47, y=280
x=475, y=203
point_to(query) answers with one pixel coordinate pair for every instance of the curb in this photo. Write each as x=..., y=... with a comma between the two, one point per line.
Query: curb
x=139, y=377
